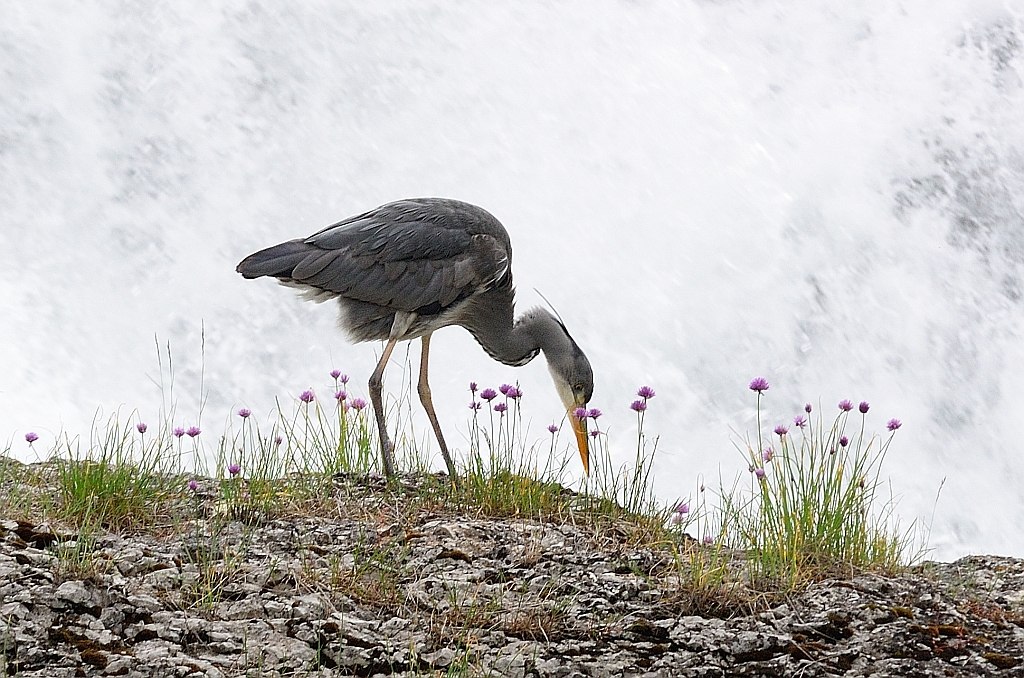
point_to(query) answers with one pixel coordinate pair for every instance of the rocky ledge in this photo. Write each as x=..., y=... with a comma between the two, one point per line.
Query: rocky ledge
x=360, y=593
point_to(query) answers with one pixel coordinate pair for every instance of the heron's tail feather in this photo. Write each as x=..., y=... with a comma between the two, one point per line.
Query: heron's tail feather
x=278, y=261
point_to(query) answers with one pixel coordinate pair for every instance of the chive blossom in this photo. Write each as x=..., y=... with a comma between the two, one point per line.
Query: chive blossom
x=760, y=384
x=645, y=392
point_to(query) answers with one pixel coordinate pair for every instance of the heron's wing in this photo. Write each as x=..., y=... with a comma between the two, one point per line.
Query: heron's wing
x=412, y=255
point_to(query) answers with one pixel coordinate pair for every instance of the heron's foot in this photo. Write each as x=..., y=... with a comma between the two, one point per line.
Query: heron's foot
x=387, y=455
x=453, y=474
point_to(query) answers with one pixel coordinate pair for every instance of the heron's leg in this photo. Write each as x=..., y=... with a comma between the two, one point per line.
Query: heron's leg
x=428, y=405
x=376, y=390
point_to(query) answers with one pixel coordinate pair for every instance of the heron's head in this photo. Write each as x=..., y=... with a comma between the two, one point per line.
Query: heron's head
x=574, y=381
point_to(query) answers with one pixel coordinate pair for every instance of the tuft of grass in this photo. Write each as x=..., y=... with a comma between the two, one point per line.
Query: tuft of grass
x=505, y=476
x=211, y=565
x=814, y=507
x=22, y=493
x=321, y=441
x=374, y=574
x=119, y=477
x=76, y=558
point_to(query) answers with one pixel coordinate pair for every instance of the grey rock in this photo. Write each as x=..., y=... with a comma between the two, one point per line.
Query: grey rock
x=145, y=602
x=249, y=608
x=71, y=592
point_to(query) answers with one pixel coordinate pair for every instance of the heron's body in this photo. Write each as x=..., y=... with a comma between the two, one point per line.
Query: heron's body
x=409, y=268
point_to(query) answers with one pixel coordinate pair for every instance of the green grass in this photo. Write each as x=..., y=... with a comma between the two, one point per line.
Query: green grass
x=814, y=506
x=817, y=511
x=504, y=474
x=115, y=479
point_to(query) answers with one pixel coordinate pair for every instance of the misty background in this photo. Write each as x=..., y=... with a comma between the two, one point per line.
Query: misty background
x=829, y=195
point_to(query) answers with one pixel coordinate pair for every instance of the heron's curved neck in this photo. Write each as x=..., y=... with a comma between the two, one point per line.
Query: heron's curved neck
x=512, y=343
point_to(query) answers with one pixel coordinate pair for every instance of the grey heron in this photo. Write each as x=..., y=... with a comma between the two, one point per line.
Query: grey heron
x=408, y=268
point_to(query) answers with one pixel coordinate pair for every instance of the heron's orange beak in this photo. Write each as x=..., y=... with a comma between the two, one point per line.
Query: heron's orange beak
x=579, y=427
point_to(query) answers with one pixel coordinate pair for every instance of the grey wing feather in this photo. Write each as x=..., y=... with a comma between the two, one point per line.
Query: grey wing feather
x=410, y=255
x=313, y=264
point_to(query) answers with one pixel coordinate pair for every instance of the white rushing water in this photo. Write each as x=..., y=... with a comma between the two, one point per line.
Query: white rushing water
x=826, y=194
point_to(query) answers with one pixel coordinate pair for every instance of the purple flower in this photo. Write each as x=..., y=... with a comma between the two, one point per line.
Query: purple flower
x=682, y=508
x=307, y=396
x=807, y=408
x=488, y=394
x=800, y=420
x=505, y=388
x=759, y=473
x=234, y=469
x=645, y=392
x=343, y=378
x=677, y=518
x=595, y=433
x=781, y=430
x=708, y=539
x=845, y=405
x=178, y=431
x=760, y=384
x=580, y=412
x=193, y=485
x=594, y=413
x=638, y=405
x=31, y=437
x=475, y=405
x=335, y=374
x=278, y=440
x=244, y=413
x=500, y=407
x=513, y=392
x=193, y=431
x=141, y=427
x=340, y=395
x=863, y=407
x=472, y=387
x=893, y=424
x=751, y=468
x=552, y=428
x=358, y=404
x=844, y=441
x=768, y=454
